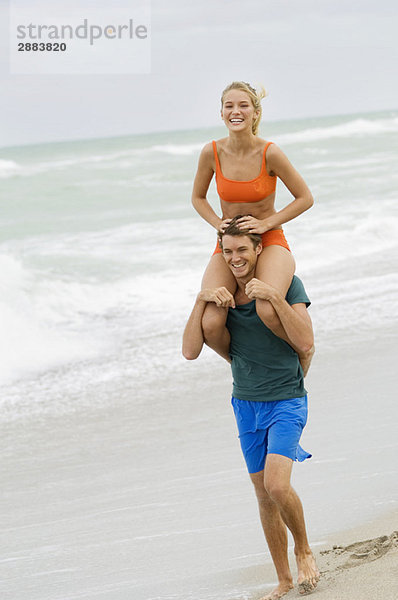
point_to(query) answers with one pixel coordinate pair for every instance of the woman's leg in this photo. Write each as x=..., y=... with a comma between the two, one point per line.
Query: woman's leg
x=216, y=334
x=276, y=266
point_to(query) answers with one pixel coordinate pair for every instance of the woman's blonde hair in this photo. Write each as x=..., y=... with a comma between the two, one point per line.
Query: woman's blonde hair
x=256, y=95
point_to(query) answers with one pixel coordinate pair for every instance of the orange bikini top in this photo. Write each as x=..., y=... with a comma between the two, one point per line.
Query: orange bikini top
x=231, y=190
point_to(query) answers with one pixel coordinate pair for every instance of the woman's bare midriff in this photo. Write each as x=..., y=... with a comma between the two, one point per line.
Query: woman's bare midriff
x=260, y=210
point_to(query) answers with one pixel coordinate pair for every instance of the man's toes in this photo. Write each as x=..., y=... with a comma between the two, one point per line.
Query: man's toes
x=306, y=587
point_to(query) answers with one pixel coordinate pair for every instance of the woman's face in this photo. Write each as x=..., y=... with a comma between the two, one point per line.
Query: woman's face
x=238, y=111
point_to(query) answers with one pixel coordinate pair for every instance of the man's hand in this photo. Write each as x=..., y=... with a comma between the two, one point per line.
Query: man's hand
x=258, y=289
x=221, y=296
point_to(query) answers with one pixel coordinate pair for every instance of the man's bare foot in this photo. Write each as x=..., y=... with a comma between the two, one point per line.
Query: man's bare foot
x=308, y=573
x=306, y=359
x=279, y=591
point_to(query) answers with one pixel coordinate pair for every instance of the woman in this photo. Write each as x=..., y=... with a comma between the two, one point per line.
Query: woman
x=246, y=169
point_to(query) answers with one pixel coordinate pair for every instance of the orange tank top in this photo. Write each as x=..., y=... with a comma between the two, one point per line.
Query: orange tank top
x=231, y=190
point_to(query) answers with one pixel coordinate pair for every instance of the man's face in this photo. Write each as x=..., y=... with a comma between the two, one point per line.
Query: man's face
x=240, y=255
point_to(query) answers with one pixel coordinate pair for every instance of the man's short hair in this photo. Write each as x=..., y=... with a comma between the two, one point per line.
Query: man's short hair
x=234, y=230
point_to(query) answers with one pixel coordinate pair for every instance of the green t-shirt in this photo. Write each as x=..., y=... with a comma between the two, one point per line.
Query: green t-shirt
x=264, y=367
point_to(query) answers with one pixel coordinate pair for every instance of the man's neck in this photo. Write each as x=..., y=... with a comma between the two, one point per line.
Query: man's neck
x=240, y=294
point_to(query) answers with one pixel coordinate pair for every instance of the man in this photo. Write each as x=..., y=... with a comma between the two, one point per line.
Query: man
x=269, y=399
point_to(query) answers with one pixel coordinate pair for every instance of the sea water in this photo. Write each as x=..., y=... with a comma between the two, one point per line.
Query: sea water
x=101, y=252
x=101, y=256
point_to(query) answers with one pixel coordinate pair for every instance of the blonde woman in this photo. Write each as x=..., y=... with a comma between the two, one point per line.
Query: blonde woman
x=246, y=169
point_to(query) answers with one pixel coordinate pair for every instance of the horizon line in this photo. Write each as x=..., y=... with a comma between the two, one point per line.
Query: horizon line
x=171, y=131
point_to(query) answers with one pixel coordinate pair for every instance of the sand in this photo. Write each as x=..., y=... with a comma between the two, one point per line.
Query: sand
x=365, y=570
x=358, y=567
x=114, y=502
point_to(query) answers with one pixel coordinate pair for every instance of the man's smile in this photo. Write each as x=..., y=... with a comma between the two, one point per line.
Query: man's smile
x=238, y=265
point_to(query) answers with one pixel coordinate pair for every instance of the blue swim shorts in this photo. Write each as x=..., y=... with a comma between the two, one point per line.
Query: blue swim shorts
x=270, y=428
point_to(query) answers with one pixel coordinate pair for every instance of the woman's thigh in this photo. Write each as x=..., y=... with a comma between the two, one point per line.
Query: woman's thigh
x=276, y=266
x=217, y=274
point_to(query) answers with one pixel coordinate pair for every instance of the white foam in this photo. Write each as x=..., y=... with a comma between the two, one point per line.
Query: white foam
x=8, y=168
x=35, y=334
x=354, y=128
x=347, y=164
x=350, y=305
x=121, y=159
x=49, y=311
x=49, y=320
x=178, y=149
x=338, y=238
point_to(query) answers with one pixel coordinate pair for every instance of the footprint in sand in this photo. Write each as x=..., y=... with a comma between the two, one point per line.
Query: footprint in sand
x=346, y=557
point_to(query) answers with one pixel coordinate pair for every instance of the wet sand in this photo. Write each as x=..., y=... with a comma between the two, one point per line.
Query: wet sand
x=355, y=565
x=120, y=501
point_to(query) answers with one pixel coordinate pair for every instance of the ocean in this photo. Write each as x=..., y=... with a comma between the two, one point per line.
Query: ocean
x=101, y=252
x=101, y=256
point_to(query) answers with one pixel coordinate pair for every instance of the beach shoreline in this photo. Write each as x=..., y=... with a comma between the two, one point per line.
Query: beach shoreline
x=360, y=563
x=110, y=500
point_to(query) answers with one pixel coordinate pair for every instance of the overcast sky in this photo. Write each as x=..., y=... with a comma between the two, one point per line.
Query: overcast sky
x=315, y=57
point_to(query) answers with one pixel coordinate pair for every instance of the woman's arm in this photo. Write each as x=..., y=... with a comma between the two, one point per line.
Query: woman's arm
x=278, y=164
x=201, y=184
x=294, y=319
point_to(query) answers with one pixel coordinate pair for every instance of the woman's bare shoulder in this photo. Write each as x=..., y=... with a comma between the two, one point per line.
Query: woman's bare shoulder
x=273, y=148
x=206, y=158
x=220, y=143
x=207, y=152
x=207, y=149
x=275, y=154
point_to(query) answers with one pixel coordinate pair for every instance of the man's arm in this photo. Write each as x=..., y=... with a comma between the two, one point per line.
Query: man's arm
x=294, y=319
x=193, y=339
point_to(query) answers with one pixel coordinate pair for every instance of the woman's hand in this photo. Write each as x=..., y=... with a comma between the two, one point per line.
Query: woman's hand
x=224, y=224
x=253, y=225
x=220, y=296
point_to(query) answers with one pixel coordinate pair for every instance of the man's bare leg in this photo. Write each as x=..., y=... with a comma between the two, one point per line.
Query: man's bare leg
x=276, y=535
x=277, y=484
